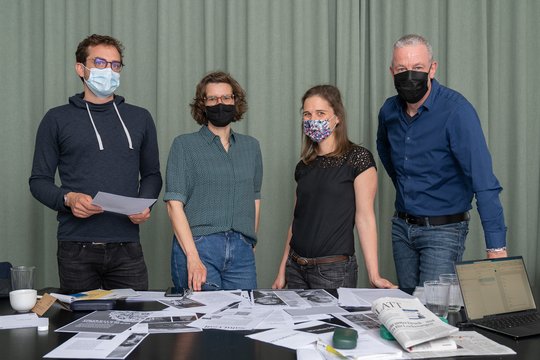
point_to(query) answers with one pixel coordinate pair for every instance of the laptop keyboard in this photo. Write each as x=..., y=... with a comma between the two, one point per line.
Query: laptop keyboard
x=509, y=321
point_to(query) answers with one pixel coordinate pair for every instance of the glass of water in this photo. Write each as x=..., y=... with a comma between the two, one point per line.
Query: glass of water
x=454, y=294
x=436, y=294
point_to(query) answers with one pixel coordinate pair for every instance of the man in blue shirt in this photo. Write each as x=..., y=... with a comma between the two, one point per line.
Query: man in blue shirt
x=431, y=144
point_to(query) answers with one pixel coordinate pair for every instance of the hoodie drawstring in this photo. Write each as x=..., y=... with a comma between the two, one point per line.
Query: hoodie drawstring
x=126, y=131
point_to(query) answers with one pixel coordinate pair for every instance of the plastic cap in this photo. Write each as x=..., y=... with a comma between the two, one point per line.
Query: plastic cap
x=43, y=324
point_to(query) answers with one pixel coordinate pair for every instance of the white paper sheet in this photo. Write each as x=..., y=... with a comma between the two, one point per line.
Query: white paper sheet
x=289, y=338
x=469, y=343
x=98, y=346
x=233, y=319
x=106, y=322
x=365, y=297
x=18, y=321
x=368, y=346
x=121, y=204
x=166, y=322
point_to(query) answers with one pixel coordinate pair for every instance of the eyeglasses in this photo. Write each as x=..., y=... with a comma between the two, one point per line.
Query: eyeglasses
x=225, y=99
x=101, y=63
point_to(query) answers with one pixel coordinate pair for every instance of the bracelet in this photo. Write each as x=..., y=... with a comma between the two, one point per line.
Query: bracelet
x=496, y=250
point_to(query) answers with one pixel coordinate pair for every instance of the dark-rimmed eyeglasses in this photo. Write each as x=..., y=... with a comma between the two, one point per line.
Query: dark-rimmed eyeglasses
x=101, y=63
x=225, y=99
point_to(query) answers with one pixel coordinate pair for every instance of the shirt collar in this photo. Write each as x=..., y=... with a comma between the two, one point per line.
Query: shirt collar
x=428, y=104
x=210, y=136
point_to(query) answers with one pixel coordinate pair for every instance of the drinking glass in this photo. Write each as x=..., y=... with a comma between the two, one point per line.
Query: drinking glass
x=454, y=295
x=22, y=277
x=436, y=293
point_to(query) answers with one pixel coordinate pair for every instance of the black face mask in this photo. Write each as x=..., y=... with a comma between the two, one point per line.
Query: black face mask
x=411, y=85
x=220, y=115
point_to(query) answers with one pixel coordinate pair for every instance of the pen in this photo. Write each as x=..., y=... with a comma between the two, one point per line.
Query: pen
x=226, y=307
x=331, y=349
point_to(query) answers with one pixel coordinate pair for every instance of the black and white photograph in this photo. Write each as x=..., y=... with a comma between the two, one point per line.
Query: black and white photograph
x=170, y=324
x=317, y=297
x=106, y=322
x=263, y=297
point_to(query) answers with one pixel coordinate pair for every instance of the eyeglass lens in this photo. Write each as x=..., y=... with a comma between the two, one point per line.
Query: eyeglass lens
x=225, y=99
x=101, y=63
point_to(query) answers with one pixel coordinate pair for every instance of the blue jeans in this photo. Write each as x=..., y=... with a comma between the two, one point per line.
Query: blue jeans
x=422, y=253
x=83, y=266
x=228, y=257
x=323, y=276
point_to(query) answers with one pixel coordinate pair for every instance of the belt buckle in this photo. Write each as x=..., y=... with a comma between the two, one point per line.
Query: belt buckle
x=409, y=220
x=302, y=261
x=99, y=244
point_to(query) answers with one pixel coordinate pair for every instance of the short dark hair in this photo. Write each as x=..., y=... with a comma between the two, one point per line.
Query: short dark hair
x=93, y=40
x=331, y=94
x=198, y=106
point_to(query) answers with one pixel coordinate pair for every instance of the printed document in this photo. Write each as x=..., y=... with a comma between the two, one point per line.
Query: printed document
x=98, y=346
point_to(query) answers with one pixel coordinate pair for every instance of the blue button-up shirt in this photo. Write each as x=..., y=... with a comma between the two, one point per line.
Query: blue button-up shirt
x=439, y=159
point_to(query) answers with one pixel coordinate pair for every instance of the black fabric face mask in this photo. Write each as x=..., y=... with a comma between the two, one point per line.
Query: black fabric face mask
x=220, y=115
x=411, y=85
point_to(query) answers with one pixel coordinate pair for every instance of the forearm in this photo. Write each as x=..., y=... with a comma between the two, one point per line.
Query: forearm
x=48, y=193
x=367, y=233
x=150, y=185
x=286, y=251
x=181, y=229
x=492, y=217
x=257, y=214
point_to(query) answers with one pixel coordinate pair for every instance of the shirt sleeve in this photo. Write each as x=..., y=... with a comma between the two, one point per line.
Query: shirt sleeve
x=46, y=155
x=176, y=181
x=150, y=182
x=383, y=148
x=257, y=179
x=470, y=149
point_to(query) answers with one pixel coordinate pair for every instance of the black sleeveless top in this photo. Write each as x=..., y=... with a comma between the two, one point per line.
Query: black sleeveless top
x=323, y=223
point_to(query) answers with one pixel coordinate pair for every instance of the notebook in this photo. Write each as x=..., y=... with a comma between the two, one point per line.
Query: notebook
x=497, y=291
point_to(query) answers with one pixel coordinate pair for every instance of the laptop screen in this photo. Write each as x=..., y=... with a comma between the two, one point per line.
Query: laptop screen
x=494, y=286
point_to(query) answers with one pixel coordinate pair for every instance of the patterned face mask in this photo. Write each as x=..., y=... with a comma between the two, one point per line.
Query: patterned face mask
x=318, y=130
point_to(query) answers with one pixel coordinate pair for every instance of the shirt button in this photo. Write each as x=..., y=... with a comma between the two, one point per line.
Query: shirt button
x=406, y=158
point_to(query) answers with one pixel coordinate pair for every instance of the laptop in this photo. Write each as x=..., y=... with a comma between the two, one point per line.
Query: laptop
x=498, y=297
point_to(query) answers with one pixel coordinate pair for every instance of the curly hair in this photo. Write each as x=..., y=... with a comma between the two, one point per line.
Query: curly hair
x=198, y=106
x=93, y=40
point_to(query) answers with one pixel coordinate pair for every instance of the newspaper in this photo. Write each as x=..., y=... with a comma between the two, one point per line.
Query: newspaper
x=410, y=322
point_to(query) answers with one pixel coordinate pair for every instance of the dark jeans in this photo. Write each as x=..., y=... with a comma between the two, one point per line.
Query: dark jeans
x=323, y=276
x=83, y=266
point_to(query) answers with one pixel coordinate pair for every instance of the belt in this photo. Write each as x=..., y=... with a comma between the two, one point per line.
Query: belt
x=102, y=245
x=318, y=260
x=432, y=220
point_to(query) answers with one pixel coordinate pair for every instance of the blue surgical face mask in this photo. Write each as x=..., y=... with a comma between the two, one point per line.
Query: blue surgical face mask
x=102, y=82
